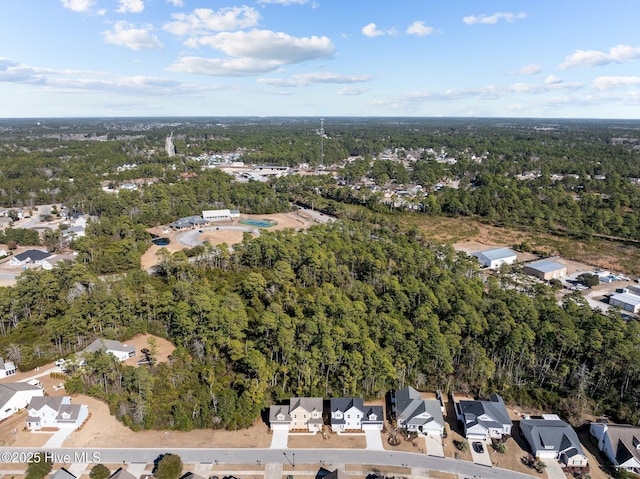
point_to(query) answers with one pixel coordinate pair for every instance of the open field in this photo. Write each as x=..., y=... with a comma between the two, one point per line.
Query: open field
x=597, y=253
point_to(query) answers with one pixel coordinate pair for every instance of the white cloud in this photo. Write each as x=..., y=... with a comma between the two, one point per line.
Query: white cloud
x=608, y=82
x=531, y=69
x=285, y=2
x=204, y=20
x=78, y=5
x=351, y=91
x=493, y=19
x=130, y=6
x=371, y=30
x=175, y=3
x=420, y=29
x=266, y=45
x=305, y=79
x=590, y=58
x=130, y=36
x=552, y=80
x=230, y=67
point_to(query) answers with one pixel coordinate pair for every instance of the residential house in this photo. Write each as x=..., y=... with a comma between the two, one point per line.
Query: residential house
x=192, y=475
x=551, y=438
x=31, y=256
x=496, y=257
x=484, y=419
x=3, y=252
x=50, y=262
x=121, y=473
x=337, y=474
x=545, y=270
x=7, y=368
x=188, y=222
x=119, y=350
x=350, y=414
x=418, y=415
x=16, y=396
x=620, y=443
x=62, y=473
x=301, y=414
x=56, y=411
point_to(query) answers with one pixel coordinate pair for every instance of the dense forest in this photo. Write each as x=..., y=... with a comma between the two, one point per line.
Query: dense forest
x=355, y=307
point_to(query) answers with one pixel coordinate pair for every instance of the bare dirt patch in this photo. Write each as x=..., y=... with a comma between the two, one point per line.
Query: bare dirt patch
x=164, y=348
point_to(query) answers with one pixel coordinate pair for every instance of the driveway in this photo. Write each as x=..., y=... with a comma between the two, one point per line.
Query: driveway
x=279, y=439
x=58, y=438
x=374, y=440
x=483, y=457
x=554, y=469
x=434, y=446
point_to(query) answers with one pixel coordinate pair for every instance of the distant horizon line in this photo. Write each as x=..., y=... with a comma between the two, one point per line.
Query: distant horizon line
x=116, y=117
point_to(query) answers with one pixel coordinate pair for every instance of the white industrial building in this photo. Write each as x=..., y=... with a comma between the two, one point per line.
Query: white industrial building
x=220, y=215
x=495, y=257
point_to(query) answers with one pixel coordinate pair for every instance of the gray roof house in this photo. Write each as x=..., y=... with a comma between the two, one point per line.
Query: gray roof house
x=16, y=396
x=62, y=473
x=484, y=419
x=550, y=437
x=302, y=413
x=495, y=257
x=121, y=473
x=7, y=368
x=56, y=411
x=416, y=414
x=351, y=414
x=620, y=443
x=119, y=350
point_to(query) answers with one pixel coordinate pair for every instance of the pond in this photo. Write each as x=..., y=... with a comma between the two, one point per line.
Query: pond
x=161, y=241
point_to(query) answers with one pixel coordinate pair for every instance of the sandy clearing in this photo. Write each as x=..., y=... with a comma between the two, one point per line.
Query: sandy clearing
x=215, y=237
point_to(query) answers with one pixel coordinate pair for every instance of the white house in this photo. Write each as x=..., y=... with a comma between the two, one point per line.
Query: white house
x=350, y=414
x=119, y=350
x=7, y=368
x=56, y=411
x=31, y=256
x=496, y=257
x=418, y=415
x=484, y=419
x=551, y=438
x=16, y=396
x=620, y=443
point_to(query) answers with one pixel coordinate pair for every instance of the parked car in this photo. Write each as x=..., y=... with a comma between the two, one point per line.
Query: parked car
x=478, y=447
x=59, y=362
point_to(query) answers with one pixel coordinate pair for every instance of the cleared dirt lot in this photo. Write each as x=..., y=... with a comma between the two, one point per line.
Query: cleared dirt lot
x=215, y=237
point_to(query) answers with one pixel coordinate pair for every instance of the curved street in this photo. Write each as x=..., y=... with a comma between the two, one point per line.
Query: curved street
x=291, y=457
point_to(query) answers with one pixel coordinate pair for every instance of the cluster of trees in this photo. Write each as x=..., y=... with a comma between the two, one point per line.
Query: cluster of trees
x=354, y=308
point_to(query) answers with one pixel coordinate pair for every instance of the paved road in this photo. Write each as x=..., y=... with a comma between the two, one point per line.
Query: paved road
x=263, y=456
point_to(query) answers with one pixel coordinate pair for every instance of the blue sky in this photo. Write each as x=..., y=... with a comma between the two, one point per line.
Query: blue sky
x=488, y=58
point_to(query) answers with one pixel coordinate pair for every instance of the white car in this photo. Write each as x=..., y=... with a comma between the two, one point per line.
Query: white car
x=59, y=362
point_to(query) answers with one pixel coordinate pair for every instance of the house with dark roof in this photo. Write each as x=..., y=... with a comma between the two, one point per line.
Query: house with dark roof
x=484, y=419
x=55, y=411
x=119, y=350
x=7, y=368
x=418, y=415
x=189, y=222
x=350, y=414
x=551, y=438
x=30, y=256
x=495, y=257
x=301, y=413
x=620, y=443
x=16, y=396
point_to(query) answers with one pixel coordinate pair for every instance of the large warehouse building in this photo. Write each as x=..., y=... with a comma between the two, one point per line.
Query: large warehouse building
x=545, y=270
